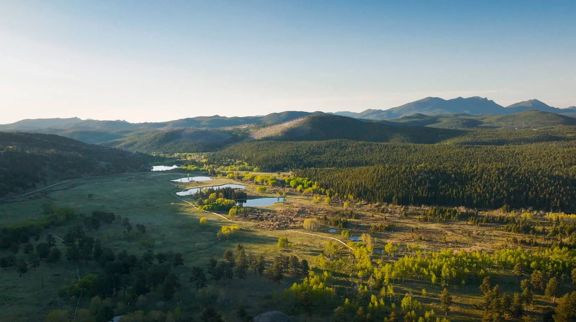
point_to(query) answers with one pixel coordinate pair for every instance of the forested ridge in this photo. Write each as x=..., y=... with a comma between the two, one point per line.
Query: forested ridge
x=27, y=160
x=483, y=186
x=274, y=156
x=542, y=176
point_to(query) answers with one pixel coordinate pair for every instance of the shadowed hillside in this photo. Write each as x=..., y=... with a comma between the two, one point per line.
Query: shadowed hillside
x=28, y=160
x=179, y=140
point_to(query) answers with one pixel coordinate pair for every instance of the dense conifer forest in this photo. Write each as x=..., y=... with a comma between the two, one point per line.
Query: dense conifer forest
x=542, y=176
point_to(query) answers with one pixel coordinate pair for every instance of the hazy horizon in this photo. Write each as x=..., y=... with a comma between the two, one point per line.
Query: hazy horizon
x=242, y=115
x=146, y=61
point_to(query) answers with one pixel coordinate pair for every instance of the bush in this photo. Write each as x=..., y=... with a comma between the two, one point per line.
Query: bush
x=227, y=231
x=261, y=189
x=283, y=242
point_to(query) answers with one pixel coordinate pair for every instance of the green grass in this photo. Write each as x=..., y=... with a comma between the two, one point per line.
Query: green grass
x=149, y=199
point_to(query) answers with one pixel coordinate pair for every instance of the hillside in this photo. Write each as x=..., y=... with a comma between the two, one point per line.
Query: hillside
x=520, y=120
x=319, y=127
x=529, y=119
x=179, y=140
x=29, y=160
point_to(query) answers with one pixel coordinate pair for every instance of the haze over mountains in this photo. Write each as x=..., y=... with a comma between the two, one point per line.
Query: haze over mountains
x=429, y=120
x=471, y=105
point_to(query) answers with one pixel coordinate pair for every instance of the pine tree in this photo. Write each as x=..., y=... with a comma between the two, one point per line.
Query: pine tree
x=566, y=309
x=552, y=289
x=445, y=301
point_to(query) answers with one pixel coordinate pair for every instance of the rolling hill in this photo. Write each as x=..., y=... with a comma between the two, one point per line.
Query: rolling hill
x=179, y=140
x=29, y=159
x=321, y=126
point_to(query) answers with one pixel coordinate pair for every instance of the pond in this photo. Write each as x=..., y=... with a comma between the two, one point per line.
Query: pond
x=261, y=202
x=158, y=168
x=356, y=239
x=194, y=191
x=192, y=179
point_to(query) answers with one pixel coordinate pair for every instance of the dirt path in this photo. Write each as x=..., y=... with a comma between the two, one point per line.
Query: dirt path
x=251, y=224
x=322, y=236
x=30, y=193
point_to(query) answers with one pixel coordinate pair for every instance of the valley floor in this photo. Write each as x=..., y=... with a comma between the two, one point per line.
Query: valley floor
x=173, y=226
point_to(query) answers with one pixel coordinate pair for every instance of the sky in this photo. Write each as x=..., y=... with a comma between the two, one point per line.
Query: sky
x=146, y=60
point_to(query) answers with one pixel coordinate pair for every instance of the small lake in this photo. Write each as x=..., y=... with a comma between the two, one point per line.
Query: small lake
x=192, y=179
x=261, y=202
x=158, y=168
x=194, y=191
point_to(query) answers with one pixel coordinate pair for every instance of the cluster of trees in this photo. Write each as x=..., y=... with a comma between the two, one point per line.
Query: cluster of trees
x=443, y=215
x=13, y=236
x=363, y=300
x=129, y=275
x=300, y=184
x=238, y=263
x=371, y=307
x=28, y=249
x=499, y=306
x=340, y=219
x=372, y=297
x=227, y=230
x=123, y=278
x=453, y=267
x=219, y=200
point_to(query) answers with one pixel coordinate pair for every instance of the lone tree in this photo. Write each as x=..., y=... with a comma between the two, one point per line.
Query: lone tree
x=566, y=309
x=310, y=224
x=552, y=289
x=445, y=301
x=210, y=315
x=283, y=242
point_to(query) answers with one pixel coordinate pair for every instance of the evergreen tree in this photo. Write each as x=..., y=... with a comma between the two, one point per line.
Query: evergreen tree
x=445, y=301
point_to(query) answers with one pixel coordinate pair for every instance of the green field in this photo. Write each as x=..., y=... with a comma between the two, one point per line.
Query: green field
x=149, y=199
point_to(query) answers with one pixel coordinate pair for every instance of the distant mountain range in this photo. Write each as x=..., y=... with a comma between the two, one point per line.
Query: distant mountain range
x=428, y=120
x=111, y=132
x=460, y=105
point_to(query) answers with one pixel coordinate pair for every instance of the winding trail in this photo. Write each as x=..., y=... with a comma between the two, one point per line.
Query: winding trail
x=322, y=236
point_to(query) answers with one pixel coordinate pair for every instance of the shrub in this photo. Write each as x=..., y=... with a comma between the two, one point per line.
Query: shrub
x=310, y=224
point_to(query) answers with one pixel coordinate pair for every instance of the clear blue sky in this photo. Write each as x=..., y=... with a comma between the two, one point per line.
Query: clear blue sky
x=157, y=60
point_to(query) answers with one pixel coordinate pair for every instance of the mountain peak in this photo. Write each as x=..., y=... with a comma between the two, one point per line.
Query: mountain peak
x=531, y=105
x=437, y=106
